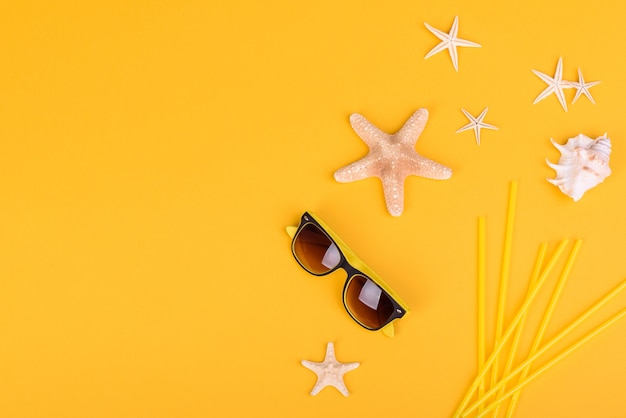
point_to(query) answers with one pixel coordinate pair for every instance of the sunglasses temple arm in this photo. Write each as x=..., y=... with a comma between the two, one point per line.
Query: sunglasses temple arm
x=291, y=230
x=388, y=330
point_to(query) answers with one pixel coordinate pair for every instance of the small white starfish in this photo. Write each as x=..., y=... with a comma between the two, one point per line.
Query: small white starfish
x=476, y=123
x=582, y=87
x=555, y=84
x=330, y=372
x=449, y=41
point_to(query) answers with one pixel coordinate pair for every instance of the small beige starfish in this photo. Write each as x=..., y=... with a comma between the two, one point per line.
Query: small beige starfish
x=330, y=372
x=392, y=158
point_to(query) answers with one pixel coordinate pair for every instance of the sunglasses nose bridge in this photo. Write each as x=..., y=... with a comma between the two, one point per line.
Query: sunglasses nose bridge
x=350, y=271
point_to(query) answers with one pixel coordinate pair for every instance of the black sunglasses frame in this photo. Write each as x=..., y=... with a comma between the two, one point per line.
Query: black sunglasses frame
x=351, y=271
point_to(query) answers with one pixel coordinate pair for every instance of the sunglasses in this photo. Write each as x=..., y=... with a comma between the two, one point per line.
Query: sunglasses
x=366, y=297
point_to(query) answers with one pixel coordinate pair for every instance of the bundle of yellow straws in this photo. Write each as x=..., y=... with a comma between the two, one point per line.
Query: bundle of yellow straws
x=507, y=385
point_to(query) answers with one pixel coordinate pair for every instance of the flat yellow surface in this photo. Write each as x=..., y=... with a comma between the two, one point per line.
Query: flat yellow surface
x=151, y=154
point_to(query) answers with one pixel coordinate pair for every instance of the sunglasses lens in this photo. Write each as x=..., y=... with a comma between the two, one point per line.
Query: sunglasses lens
x=368, y=303
x=315, y=251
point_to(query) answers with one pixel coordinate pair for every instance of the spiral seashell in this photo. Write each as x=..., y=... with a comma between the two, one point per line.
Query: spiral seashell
x=584, y=164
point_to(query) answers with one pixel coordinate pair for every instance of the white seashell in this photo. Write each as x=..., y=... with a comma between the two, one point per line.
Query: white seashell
x=584, y=164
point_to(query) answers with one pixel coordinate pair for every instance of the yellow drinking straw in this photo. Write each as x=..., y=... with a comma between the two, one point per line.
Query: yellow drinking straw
x=518, y=332
x=546, y=319
x=504, y=273
x=507, y=334
x=599, y=304
x=555, y=360
x=481, y=299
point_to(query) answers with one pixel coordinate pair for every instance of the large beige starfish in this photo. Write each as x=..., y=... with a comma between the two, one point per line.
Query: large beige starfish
x=330, y=372
x=392, y=158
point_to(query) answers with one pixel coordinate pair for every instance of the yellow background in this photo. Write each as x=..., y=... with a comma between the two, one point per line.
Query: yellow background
x=152, y=152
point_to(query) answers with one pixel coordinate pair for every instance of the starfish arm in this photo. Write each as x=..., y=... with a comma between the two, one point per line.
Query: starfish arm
x=586, y=92
x=454, y=30
x=454, y=56
x=487, y=126
x=341, y=387
x=427, y=168
x=465, y=42
x=412, y=128
x=361, y=169
x=330, y=353
x=311, y=365
x=438, y=33
x=579, y=91
x=468, y=115
x=466, y=127
x=558, y=74
x=482, y=114
x=393, y=190
x=438, y=48
x=318, y=369
x=477, y=133
x=368, y=133
x=316, y=389
x=321, y=382
x=561, y=97
x=546, y=78
x=339, y=383
x=544, y=94
x=346, y=367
